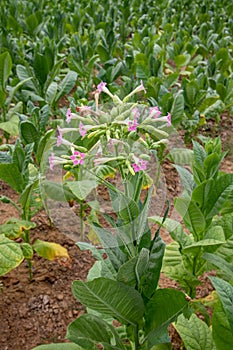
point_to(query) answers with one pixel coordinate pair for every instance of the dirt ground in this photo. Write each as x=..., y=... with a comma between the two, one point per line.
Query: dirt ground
x=38, y=312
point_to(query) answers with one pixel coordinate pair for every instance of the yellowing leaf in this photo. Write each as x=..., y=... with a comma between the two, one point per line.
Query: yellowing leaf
x=50, y=250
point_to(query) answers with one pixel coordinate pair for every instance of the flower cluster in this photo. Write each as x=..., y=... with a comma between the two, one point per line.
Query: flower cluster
x=94, y=126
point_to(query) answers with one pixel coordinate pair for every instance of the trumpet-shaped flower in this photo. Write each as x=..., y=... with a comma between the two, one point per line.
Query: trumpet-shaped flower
x=51, y=161
x=132, y=125
x=82, y=130
x=155, y=112
x=140, y=164
x=169, y=123
x=77, y=157
x=101, y=86
x=68, y=115
x=54, y=160
x=59, y=137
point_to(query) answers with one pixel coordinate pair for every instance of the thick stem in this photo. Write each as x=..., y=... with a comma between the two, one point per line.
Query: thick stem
x=136, y=340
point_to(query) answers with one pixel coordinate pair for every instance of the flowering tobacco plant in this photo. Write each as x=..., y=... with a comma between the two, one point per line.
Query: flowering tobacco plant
x=121, y=138
x=121, y=141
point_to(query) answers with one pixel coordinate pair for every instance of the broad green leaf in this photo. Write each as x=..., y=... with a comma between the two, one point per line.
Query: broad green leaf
x=10, y=173
x=5, y=69
x=186, y=178
x=190, y=92
x=208, y=101
x=25, y=198
x=13, y=91
x=149, y=280
x=110, y=298
x=142, y=264
x=51, y=92
x=56, y=191
x=225, y=292
x=204, y=243
x=11, y=126
x=11, y=255
x=195, y=333
x=14, y=228
x=42, y=66
x=89, y=330
x=222, y=332
x=66, y=85
x=182, y=60
x=29, y=132
x=223, y=186
x=219, y=262
x=195, y=221
x=58, y=346
x=172, y=303
x=82, y=188
x=49, y=250
x=128, y=209
x=181, y=156
x=110, y=245
x=126, y=273
x=25, y=75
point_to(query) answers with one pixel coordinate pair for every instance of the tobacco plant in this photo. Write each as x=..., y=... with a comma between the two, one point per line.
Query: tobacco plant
x=18, y=170
x=206, y=193
x=123, y=285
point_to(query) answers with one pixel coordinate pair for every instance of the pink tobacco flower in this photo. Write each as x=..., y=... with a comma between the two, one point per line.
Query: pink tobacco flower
x=132, y=125
x=140, y=164
x=82, y=130
x=77, y=157
x=142, y=86
x=155, y=112
x=169, y=123
x=136, y=113
x=51, y=161
x=68, y=115
x=59, y=137
x=101, y=86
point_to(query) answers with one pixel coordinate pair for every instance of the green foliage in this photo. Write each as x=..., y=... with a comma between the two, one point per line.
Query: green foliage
x=206, y=191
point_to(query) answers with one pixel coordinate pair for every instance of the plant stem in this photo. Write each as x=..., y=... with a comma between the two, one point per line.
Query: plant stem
x=136, y=340
x=81, y=222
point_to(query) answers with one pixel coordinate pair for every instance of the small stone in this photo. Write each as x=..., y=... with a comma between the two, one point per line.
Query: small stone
x=45, y=299
x=60, y=297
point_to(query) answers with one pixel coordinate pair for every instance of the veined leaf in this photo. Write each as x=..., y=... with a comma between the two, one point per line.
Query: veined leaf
x=219, y=262
x=11, y=255
x=222, y=332
x=195, y=333
x=29, y=132
x=89, y=330
x=173, y=303
x=5, y=69
x=81, y=189
x=225, y=292
x=110, y=245
x=14, y=228
x=126, y=273
x=66, y=85
x=223, y=186
x=204, y=243
x=110, y=298
x=149, y=280
x=11, y=126
x=181, y=156
x=10, y=173
x=50, y=250
x=195, y=221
